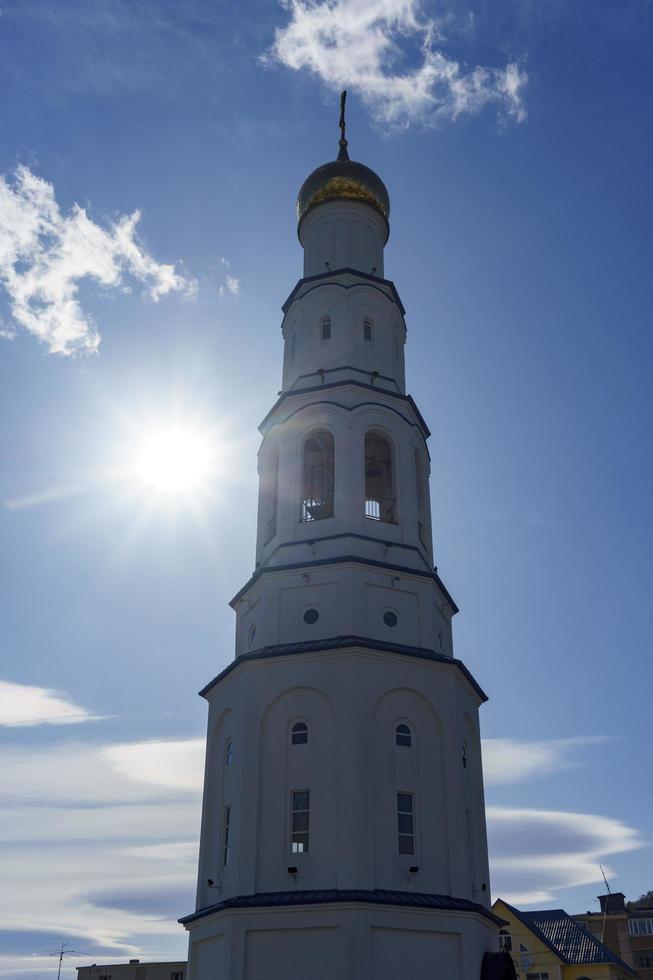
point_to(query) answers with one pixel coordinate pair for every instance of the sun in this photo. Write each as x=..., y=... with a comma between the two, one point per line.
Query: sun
x=174, y=461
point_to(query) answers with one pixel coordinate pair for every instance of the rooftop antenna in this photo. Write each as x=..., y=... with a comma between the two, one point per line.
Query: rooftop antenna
x=65, y=952
x=605, y=880
x=605, y=905
x=342, y=143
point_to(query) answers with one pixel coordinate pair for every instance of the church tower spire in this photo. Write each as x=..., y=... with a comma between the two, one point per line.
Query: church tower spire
x=343, y=828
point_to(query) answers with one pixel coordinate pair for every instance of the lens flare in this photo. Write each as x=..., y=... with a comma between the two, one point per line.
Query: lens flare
x=177, y=460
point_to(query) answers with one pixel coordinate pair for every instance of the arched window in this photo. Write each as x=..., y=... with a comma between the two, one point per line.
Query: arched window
x=318, y=476
x=325, y=328
x=420, y=490
x=299, y=733
x=272, y=494
x=380, y=500
x=403, y=736
x=229, y=753
x=368, y=330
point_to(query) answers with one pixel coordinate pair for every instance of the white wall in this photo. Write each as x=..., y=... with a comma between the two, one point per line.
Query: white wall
x=344, y=234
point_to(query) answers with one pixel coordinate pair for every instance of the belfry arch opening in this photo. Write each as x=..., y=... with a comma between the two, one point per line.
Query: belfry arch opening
x=318, y=476
x=380, y=496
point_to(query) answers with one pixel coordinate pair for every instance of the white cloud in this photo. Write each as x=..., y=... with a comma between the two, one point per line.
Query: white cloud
x=23, y=705
x=44, y=254
x=368, y=47
x=230, y=284
x=176, y=765
x=508, y=760
x=534, y=854
x=88, y=774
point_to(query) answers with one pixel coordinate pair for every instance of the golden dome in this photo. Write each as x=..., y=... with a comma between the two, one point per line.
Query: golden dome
x=343, y=179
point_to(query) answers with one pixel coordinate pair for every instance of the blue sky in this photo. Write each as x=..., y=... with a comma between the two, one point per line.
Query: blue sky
x=515, y=140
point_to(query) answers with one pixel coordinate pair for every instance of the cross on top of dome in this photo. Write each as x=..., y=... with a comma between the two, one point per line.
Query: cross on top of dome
x=343, y=179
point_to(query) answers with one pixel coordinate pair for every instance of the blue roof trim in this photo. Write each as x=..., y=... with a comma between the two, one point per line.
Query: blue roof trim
x=341, y=384
x=331, y=896
x=344, y=559
x=566, y=938
x=368, y=277
x=343, y=643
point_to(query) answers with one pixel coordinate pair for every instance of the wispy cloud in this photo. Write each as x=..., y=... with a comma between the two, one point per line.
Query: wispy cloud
x=537, y=853
x=392, y=55
x=230, y=284
x=22, y=705
x=509, y=760
x=132, y=772
x=176, y=765
x=45, y=254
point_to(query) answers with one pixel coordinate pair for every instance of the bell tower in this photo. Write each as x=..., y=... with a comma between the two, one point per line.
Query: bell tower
x=343, y=829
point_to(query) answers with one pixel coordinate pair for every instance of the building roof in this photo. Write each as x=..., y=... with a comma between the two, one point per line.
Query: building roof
x=331, y=896
x=566, y=938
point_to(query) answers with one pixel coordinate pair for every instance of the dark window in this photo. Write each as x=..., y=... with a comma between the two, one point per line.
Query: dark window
x=318, y=476
x=368, y=330
x=403, y=736
x=325, y=328
x=311, y=616
x=299, y=733
x=226, y=836
x=300, y=821
x=643, y=958
x=229, y=751
x=272, y=496
x=405, y=823
x=380, y=500
x=390, y=618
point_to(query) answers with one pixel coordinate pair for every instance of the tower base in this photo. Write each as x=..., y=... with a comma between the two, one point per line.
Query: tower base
x=343, y=939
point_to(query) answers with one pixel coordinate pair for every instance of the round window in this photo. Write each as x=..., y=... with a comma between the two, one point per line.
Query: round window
x=311, y=616
x=390, y=618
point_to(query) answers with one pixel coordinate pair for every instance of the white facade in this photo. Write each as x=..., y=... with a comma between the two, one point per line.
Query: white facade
x=343, y=829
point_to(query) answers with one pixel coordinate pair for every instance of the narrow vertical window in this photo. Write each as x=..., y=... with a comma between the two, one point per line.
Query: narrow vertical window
x=300, y=821
x=226, y=837
x=229, y=753
x=405, y=823
x=470, y=846
x=380, y=500
x=299, y=733
x=325, y=328
x=403, y=736
x=368, y=330
x=318, y=477
x=273, y=497
x=420, y=490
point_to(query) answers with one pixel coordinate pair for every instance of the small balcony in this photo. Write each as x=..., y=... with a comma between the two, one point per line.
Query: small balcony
x=382, y=509
x=317, y=508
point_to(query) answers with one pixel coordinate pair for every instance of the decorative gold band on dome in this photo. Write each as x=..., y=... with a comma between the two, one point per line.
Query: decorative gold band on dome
x=337, y=188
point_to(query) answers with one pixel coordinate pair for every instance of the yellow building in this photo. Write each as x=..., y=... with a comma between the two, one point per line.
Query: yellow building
x=550, y=945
